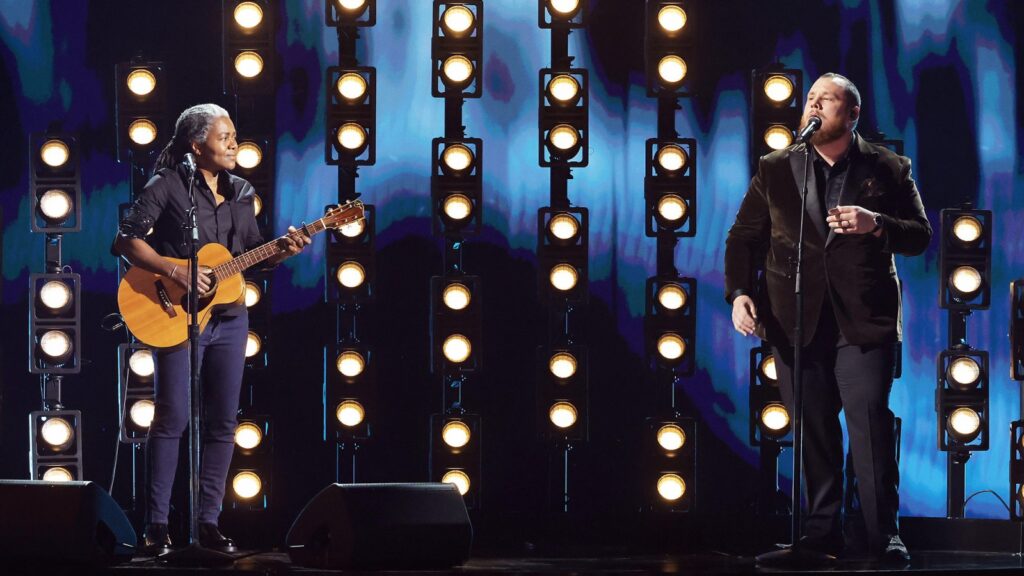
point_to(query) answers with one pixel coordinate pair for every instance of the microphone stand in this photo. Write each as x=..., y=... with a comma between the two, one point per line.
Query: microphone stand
x=194, y=554
x=796, y=555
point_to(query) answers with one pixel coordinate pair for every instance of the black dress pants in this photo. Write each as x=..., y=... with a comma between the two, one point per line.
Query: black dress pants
x=857, y=380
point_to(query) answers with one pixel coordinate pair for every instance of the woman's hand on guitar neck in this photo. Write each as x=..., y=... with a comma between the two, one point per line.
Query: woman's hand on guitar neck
x=180, y=275
x=291, y=244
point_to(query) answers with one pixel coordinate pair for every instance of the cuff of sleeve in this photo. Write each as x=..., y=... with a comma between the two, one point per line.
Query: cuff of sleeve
x=736, y=294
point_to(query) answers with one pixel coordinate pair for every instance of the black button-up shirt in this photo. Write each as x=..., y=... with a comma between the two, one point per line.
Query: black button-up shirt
x=163, y=207
x=830, y=180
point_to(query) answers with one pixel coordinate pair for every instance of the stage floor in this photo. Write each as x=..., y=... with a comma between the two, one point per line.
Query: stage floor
x=275, y=563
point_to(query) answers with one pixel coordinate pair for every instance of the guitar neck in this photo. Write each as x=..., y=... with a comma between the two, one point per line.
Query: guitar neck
x=253, y=257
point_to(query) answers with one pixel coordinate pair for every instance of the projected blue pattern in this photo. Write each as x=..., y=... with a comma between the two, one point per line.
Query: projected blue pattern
x=44, y=55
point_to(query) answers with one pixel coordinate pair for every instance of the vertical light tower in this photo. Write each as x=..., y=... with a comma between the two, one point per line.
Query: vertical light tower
x=562, y=247
x=1017, y=373
x=142, y=125
x=456, y=297
x=54, y=307
x=670, y=193
x=962, y=375
x=351, y=142
x=775, y=108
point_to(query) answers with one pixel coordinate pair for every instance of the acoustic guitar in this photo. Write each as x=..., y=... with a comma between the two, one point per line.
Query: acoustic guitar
x=154, y=307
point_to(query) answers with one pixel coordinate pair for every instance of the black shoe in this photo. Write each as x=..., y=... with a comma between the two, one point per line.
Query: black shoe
x=830, y=546
x=155, y=540
x=896, y=551
x=210, y=537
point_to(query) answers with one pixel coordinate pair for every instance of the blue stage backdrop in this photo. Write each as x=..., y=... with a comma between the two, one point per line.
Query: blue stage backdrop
x=941, y=75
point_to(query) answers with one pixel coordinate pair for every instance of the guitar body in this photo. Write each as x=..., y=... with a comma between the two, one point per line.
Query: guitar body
x=154, y=307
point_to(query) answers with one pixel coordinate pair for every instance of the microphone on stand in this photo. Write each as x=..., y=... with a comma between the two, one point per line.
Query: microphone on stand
x=190, y=160
x=813, y=124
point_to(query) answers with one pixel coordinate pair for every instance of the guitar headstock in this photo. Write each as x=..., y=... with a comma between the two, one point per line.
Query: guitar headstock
x=338, y=216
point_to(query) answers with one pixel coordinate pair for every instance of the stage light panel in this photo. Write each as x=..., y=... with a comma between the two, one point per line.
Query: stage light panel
x=670, y=187
x=457, y=49
x=55, y=441
x=965, y=259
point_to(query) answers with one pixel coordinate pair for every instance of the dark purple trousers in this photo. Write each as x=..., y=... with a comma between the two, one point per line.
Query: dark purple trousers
x=221, y=360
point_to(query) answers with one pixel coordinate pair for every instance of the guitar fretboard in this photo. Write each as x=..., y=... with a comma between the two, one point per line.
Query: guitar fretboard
x=268, y=250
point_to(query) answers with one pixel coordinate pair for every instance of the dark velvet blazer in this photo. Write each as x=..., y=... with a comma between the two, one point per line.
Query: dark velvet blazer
x=857, y=272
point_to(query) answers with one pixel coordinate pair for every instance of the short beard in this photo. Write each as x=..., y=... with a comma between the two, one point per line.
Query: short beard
x=828, y=135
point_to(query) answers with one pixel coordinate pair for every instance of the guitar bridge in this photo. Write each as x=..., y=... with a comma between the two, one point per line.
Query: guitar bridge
x=165, y=300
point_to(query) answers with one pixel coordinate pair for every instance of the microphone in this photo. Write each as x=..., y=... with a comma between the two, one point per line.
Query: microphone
x=813, y=124
x=190, y=160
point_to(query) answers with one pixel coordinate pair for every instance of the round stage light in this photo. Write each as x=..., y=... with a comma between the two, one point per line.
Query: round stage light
x=55, y=205
x=351, y=363
x=352, y=137
x=141, y=363
x=353, y=229
x=257, y=204
x=352, y=87
x=142, y=132
x=352, y=5
x=672, y=69
x=564, y=140
x=141, y=82
x=671, y=487
x=248, y=435
x=457, y=21
x=248, y=64
x=778, y=137
x=456, y=296
x=456, y=159
x=246, y=485
x=456, y=348
x=249, y=155
x=769, y=370
x=253, y=343
x=563, y=90
x=562, y=365
x=57, y=474
x=564, y=8
x=459, y=478
x=671, y=158
x=351, y=274
x=248, y=15
x=455, y=434
x=671, y=296
x=142, y=412
x=967, y=230
x=778, y=88
x=563, y=227
x=964, y=424
x=54, y=153
x=963, y=373
x=965, y=282
x=56, y=296
x=775, y=420
x=672, y=18
x=671, y=346
x=55, y=345
x=57, y=433
x=671, y=210
x=350, y=413
x=457, y=70
x=671, y=437
x=562, y=414
x=252, y=294
x=458, y=207
x=564, y=277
